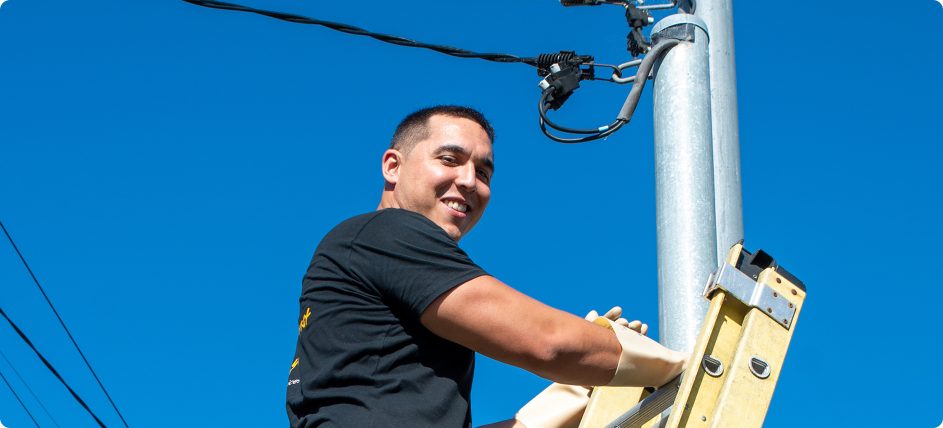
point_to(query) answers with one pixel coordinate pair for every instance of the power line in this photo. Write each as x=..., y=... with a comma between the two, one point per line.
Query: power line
x=564, y=70
x=350, y=29
x=51, y=368
x=62, y=323
x=17, y=372
x=18, y=399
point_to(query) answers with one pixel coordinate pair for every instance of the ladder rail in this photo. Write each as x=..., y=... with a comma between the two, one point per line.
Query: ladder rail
x=737, y=359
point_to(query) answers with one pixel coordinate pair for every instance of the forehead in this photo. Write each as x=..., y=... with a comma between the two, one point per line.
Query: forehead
x=457, y=131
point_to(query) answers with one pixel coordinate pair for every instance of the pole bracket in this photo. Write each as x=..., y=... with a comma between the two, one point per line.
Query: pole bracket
x=680, y=27
x=753, y=293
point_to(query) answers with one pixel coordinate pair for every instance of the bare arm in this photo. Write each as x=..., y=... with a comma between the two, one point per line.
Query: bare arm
x=510, y=423
x=493, y=319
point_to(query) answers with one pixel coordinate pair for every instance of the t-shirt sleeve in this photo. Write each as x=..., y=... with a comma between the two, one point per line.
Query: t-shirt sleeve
x=409, y=260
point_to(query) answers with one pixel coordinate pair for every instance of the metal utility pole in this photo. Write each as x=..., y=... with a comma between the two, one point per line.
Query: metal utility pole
x=684, y=180
x=697, y=158
x=718, y=15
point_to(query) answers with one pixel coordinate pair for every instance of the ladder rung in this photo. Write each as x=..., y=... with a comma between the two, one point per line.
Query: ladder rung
x=651, y=406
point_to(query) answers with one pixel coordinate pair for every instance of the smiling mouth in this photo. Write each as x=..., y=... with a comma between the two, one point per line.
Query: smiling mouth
x=457, y=206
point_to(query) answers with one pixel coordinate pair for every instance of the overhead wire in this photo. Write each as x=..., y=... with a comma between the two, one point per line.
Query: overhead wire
x=350, y=29
x=25, y=383
x=18, y=399
x=51, y=368
x=628, y=108
x=62, y=323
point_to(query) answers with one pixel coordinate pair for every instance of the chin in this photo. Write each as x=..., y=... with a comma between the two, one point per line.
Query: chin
x=454, y=233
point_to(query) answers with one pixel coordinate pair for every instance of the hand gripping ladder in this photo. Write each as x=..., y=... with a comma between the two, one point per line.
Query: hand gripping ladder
x=738, y=357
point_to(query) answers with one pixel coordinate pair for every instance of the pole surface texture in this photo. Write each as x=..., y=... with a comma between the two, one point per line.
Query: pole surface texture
x=684, y=183
x=718, y=15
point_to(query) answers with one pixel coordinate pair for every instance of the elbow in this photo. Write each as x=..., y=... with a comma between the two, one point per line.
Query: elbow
x=550, y=355
x=554, y=344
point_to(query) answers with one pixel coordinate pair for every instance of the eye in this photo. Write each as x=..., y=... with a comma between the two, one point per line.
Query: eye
x=485, y=176
x=449, y=159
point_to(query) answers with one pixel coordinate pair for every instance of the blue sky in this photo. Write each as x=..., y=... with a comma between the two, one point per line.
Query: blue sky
x=168, y=171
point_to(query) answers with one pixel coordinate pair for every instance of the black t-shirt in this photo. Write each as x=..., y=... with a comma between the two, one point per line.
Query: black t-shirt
x=363, y=358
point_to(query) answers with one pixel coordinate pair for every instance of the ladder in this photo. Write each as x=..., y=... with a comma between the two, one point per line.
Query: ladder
x=737, y=359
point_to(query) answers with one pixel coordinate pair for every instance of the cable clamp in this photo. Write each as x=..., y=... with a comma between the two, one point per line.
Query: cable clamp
x=563, y=73
x=637, y=20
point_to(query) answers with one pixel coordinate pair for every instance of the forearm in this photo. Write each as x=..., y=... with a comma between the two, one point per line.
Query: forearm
x=575, y=351
x=495, y=320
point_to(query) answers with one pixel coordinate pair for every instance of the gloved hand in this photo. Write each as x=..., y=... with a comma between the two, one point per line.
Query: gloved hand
x=614, y=315
x=562, y=406
x=643, y=362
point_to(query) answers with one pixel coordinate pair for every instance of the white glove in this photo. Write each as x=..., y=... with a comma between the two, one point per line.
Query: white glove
x=562, y=406
x=643, y=362
x=558, y=406
x=614, y=315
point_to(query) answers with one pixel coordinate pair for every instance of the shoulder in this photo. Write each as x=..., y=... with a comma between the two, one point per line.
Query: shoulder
x=401, y=217
x=385, y=216
x=390, y=223
x=401, y=221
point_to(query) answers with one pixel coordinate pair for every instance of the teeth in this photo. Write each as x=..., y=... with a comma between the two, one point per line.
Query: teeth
x=457, y=206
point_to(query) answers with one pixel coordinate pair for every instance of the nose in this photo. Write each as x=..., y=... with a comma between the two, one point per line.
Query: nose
x=467, y=177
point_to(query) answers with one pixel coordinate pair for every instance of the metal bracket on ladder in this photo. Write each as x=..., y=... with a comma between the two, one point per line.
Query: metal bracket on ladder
x=736, y=362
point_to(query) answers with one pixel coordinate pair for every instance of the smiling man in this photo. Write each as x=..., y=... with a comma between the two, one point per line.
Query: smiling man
x=393, y=311
x=440, y=166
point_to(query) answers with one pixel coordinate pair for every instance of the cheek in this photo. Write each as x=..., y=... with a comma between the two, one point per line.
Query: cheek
x=484, y=193
x=439, y=174
x=440, y=178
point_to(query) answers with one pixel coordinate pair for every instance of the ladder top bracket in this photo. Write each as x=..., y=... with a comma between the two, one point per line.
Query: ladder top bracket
x=752, y=293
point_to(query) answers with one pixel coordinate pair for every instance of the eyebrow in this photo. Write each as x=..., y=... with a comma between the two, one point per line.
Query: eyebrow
x=454, y=148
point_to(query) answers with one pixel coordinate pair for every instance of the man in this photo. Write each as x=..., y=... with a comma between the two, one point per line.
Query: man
x=393, y=311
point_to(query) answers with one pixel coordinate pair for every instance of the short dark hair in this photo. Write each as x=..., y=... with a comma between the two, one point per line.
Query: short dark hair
x=414, y=128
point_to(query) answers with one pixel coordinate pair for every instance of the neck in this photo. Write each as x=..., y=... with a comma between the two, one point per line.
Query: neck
x=387, y=201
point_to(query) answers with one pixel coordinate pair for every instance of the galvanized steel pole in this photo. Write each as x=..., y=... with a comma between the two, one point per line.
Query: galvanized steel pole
x=718, y=15
x=684, y=182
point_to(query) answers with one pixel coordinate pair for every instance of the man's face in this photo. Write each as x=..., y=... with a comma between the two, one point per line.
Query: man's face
x=445, y=177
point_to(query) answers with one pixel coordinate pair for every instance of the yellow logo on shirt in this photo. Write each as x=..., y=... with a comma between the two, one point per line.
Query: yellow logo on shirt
x=304, y=320
x=294, y=364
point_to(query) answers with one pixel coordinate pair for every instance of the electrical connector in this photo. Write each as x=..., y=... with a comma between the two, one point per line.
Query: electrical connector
x=561, y=84
x=637, y=19
x=564, y=59
x=563, y=73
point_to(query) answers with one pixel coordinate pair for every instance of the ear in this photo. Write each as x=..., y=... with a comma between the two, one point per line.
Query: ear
x=392, y=161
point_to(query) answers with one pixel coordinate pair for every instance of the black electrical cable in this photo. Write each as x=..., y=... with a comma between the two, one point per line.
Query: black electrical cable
x=625, y=113
x=350, y=29
x=18, y=399
x=51, y=368
x=19, y=376
x=62, y=323
x=603, y=134
x=542, y=109
x=628, y=108
x=641, y=77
